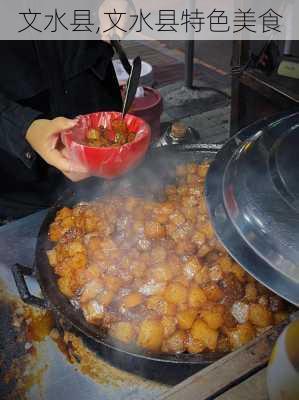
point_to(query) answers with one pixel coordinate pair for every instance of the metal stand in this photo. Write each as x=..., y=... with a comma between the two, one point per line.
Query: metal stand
x=189, y=66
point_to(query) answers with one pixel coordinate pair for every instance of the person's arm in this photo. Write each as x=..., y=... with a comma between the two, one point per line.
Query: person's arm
x=14, y=123
x=23, y=133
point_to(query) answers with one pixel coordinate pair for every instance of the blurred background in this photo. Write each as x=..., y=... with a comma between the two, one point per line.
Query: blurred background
x=218, y=87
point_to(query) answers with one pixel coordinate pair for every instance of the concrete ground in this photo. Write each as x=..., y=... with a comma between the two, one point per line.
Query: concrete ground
x=206, y=108
x=206, y=111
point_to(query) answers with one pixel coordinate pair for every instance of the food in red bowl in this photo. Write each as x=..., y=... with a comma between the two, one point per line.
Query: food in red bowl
x=107, y=145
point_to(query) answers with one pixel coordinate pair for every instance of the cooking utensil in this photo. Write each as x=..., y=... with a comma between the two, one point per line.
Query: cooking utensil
x=132, y=85
x=157, y=169
x=252, y=192
x=149, y=107
x=122, y=56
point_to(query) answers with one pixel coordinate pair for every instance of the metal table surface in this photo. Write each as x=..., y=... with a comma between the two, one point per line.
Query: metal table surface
x=60, y=379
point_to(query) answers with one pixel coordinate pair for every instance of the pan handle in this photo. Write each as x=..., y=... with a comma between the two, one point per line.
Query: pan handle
x=19, y=272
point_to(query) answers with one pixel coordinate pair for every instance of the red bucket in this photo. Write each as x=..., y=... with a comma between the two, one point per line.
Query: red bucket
x=149, y=108
x=107, y=162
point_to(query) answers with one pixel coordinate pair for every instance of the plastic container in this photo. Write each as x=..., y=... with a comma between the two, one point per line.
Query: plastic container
x=107, y=162
x=146, y=78
x=149, y=108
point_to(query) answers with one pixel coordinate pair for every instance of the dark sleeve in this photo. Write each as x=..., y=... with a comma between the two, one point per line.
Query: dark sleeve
x=14, y=123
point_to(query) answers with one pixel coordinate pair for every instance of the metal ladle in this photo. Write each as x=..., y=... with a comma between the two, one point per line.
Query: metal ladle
x=132, y=85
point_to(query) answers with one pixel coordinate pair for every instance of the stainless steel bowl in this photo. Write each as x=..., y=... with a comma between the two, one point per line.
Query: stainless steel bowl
x=252, y=192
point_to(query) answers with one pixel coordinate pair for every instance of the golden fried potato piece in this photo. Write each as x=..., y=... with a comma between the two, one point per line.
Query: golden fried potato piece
x=199, y=239
x=56, y=231
x=65, y=212
x=213, y=292
x=202, y=276
x=175, y=343
x=214, y=319
x=52, y=257
x=191, y=267
x=225, y=263
x=251, y=292
x=215, y=273
x=158, y=255
x=239, y=272
x=105, y=297
x=93, y=312
x=177, y=218
x=197, y=297
x=169, y=325
x=112, y=282
x=91, y=290
x=150, y=335
x=186, y=318
x=131, y=300
x=123, y=331
x=176, y=293
x=260, y=316
x=162, y=274
x=202, y=332
x=194, y=345
x=66, y=286
x=161, y=306
x=242, y=334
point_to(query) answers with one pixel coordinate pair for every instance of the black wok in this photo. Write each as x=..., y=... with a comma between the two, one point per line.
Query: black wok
x=157, y=169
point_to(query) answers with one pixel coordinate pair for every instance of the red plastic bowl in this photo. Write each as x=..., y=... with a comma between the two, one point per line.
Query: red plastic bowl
x=107, y=162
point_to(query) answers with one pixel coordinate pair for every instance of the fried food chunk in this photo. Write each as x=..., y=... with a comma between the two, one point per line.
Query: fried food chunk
x=150, y=335
x=260, y=316
x=242, y=334
x=150, y=270
x=175, y=343
x=176, y=293
x=202, y=332
x=123, y=331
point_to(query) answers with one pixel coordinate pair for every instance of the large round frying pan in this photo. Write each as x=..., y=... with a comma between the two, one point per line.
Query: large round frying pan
x=157, y=169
